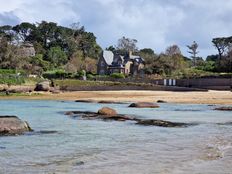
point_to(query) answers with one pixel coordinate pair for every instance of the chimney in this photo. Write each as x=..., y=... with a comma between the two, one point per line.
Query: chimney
x=130, y=53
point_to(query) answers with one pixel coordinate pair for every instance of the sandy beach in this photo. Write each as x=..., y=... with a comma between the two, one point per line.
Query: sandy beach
x=210, y=97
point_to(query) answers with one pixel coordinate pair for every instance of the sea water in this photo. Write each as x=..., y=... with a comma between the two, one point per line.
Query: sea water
x=99, y=147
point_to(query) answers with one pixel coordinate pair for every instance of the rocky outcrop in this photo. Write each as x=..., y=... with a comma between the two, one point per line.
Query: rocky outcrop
x=95, y=115
x=144, y=105
x=224, y=109
x=43, y=86
x=107, y=111
x=12, y=125
x=161, y=123
x=120, y=117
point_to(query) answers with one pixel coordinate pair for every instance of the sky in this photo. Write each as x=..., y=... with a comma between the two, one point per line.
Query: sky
x=156, y=24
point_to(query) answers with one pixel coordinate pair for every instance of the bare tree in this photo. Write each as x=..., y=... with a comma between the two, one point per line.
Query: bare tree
x=193, y=51
x=127, y=44
x=172, y=50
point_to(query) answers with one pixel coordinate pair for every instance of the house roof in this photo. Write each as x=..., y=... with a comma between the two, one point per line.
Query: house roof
x=108, y=56
x=112, y=60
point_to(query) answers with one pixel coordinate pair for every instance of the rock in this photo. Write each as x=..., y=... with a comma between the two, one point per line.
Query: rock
x=119, y=117
x=54, y=90
x=160, y=123
x=78, y=163
x=43, y=86
x=42, y=132
x=224, y=109
x=109, y=102
x=107, y=111
x=85, y=101
x=93, y=115
x=161, y=101
x=12, y=125
x=144, y=105
x=225, y=124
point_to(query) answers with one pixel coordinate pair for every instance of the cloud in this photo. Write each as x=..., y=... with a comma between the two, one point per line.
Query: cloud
x=8, y=18
x=155, y=24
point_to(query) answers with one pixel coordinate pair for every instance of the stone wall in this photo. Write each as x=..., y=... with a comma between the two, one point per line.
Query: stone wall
x=207, y=83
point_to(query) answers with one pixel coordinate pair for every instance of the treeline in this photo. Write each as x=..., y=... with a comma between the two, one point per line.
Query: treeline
x=69, y=48
x=171, y=62
x=72, y=49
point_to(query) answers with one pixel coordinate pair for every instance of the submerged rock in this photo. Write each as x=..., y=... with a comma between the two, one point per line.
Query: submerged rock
x=161, y=123
x=109, y=102
x=161, y=101
x=85, y=101
x=107, y=111
x=92, y=116
x=225, y=124
x=12, y=125
x=144, y=105
x=224, y=109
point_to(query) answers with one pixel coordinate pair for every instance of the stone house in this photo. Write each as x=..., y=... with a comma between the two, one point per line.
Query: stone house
x=110, y=63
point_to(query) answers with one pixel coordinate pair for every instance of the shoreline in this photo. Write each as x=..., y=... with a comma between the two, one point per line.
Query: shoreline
x=210, y=97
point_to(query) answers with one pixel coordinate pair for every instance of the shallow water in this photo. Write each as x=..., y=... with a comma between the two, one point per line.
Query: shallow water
x=98, y=147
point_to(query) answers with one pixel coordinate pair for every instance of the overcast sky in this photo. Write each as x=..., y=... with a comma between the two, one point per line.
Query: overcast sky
x=155, y=24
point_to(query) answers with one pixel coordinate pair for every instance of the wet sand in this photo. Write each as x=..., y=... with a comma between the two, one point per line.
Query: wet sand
x=210, y=97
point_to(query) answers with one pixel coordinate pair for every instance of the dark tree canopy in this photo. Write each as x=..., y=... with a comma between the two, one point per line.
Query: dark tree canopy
x=55, y=44
x=222, y=44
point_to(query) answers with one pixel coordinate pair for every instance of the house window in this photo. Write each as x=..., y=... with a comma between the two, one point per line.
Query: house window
x=102, y=72
x=102, y=63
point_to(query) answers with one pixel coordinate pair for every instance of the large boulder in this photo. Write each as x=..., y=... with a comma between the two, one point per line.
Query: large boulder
x=144, y=105
x=107, y=111
x=43, y=86
x=12, y=125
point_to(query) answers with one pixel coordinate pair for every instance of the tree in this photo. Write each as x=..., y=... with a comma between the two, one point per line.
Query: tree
x=173, y=50
x=147, y=51
x=24, y=30
x=75, y=63
x=111, y=48
x=193, y=51
x=127, y=44
x=222, y=45
x=57, y=57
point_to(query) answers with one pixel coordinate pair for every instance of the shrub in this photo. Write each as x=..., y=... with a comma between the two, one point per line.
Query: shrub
x=10, y=80
x=57, y=74
x=117, y=75
x=11, y=71
x=90, y=76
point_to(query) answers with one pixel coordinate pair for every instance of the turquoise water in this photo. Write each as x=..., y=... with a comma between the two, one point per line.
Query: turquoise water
x=98, y=147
